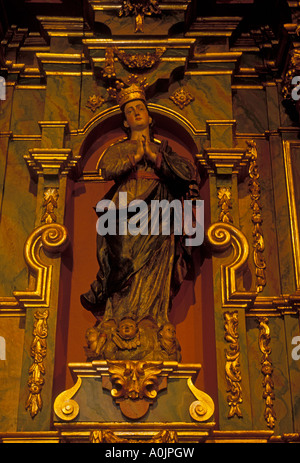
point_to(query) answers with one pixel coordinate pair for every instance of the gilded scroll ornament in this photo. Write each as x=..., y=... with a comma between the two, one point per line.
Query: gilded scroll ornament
x=65, y=407
x=258, y=238
x=225, y=203
x=221, y=236
x=139, y=8
x=232, y=365
x=182, y=97
x=50, y=204
x=38, y=352
x=267, y=370
x=203, y=408
x=94, y=102
x=52, y=238
x=109, y=437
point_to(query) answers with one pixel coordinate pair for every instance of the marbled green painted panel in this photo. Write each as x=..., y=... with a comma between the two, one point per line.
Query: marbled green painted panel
x=268, y=225
x=5, y=110
x=250, y=111
x=256, y=377
x=17, y=219
x=27, y=110
x=12, y=330
x=280, y=376
x=282, y=403
x=272, y=106
x=89, y=88
x=62, y=99
x=211, y=99
x=283, y=230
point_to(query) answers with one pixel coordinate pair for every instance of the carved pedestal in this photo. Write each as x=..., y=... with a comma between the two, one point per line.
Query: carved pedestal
x=134, y=401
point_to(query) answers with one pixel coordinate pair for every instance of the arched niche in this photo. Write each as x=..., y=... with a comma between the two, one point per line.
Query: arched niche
x=192, y=311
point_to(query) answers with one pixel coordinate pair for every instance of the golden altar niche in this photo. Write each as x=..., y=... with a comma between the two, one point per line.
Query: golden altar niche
x=226, y=92
x=138, y=344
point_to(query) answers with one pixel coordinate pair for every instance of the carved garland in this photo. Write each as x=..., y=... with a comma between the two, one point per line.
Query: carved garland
x=232, y=365
x=135, y=61
x=38, y=349
x=139, y=61
x=267, y=371
x=258, y=238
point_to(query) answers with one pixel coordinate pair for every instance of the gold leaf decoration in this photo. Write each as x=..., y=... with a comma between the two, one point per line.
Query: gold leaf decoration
x=139, y=8
x=182, y=97
x=257, y=233
x=139, y=60
x=225, y=203
x=49, y=204
x=94, y=102
x=267, y=371
x=134, y=380
x=38, y=352
x=232, y=365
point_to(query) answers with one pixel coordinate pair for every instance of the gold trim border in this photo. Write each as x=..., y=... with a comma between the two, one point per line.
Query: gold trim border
x=292, y=206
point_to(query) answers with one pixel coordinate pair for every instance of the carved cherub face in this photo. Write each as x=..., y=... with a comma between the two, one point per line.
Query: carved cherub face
x=91, y=335
x=127, y=328
x=168, y=332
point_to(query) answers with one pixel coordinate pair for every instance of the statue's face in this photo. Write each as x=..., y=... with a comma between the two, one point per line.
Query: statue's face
x=137, y=116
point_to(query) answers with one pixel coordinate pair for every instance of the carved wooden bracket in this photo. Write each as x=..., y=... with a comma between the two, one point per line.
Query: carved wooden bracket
x=134, y=385
x=222, y=236
x=53, y=238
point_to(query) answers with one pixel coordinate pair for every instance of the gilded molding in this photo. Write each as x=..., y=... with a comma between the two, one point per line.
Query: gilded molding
x=221, y=236
x=38, y=352
x=109, y=437
x=52, y=238
x=179, y=118
x=293, y=210
x=232, y=365
x=234, y=160
x=49, y=161
x=257, y=233
x=267, y=370
x=225, y=203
